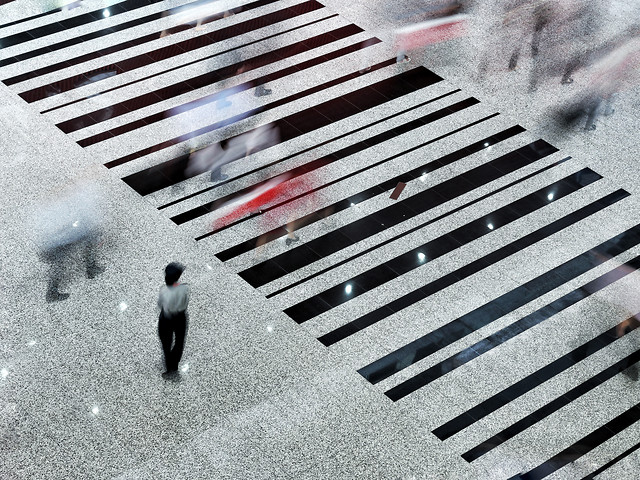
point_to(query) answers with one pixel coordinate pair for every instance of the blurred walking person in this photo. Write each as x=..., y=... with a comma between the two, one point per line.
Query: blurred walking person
x=435, y=22
x=213, y=157
x=612, y=74
x=68, y=227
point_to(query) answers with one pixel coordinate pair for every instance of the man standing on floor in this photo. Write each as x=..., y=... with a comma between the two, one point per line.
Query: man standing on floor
x=173, y=301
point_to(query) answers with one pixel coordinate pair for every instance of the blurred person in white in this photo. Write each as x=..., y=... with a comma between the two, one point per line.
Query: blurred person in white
x=618, y=71
x=68, y=227
x=173, y=321
x=209, y=158
x=614, y=72
x=215, y=156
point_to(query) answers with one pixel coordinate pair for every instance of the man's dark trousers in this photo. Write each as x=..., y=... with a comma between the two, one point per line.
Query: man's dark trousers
x=168, y=326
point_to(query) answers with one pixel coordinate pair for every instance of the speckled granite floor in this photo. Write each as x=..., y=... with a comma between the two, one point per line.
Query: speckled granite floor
x=474, y=328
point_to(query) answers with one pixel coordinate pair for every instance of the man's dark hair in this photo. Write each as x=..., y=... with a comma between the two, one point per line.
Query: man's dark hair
x=172, y=273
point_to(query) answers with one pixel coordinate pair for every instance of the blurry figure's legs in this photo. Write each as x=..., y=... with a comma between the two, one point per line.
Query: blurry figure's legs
x=593, y=108
x=365, y=56
x=165, y=332
x=294, y=224
x=535, y=42
x=402, y=57
x=260, y=243
x=622, y=329
x=224, y=101
x=572, y=66
x=167, y=327
x=401, y=50
x=90, y=251
x=180, y=330
x=261, y=91
x=217, y=175
x=291, y=238
x=608, y=105
x=541, y=22
x=537, y=64
x=53, y=292
x=55, y=258
x=164, y=33
x=483, y=67
x=513, y=61
x=291, y=228
x=534, y=75
x=632, y=372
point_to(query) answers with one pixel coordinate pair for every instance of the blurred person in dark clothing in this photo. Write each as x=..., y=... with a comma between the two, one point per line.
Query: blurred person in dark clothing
x=173, y=301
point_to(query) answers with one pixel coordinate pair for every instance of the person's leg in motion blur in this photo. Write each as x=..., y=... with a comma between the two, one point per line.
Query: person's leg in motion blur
x=608, y=105
x=180, y=330
x=513, y=61
x=54, y=257
x=593, y=109
x=90, y=250
x=291, y=229
x=261, y=91
x=165, y=332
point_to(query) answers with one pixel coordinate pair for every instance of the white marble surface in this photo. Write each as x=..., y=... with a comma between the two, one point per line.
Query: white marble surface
x=81, y=395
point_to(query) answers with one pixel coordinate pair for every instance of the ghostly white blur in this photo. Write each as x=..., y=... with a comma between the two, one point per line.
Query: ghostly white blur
x=67, y=229
x=214, y=157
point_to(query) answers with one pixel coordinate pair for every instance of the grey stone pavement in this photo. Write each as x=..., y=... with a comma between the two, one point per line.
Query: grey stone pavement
x=258, y=396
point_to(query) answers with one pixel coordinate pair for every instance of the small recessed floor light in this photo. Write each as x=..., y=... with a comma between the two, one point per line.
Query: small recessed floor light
x=490, y=225
x=4, y=372
x=269, y=328
x=421, y=256
x=123, y=306
x=348, y=289
x=31, y=343
x=185, y=367
x=486, y=144
x=95, y=410
x=209, y=267
x=106, y=13
x=550, y=196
